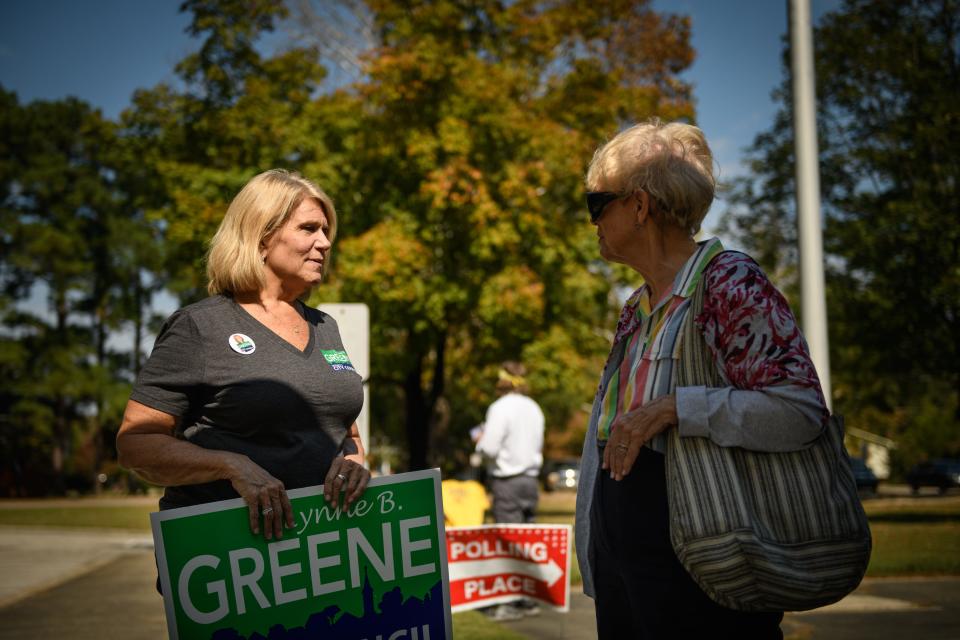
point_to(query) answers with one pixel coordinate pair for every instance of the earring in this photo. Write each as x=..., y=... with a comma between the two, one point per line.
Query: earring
x=263, y=259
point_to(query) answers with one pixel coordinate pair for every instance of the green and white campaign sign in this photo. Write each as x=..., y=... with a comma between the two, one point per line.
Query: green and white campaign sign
x=377, y=571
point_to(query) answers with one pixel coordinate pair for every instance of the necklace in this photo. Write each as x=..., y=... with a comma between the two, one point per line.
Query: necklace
x=295, y=327
x=298, y=322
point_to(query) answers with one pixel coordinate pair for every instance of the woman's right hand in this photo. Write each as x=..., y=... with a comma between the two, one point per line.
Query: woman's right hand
x=146, y=444
x=265, y=496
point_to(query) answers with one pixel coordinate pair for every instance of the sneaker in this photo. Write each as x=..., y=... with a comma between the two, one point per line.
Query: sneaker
x=528, y=607
x=504, y=613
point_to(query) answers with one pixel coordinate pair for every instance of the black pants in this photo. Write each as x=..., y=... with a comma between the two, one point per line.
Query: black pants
x=642, y=590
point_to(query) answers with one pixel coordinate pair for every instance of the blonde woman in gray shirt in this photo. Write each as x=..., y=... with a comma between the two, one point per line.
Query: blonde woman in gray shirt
x=250, y=393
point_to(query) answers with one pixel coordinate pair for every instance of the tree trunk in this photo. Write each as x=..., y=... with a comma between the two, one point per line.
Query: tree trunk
x=417, y=418
x=98, y=448
x=437, y=407
x=60, y=426
x=437, y=386
x=420, y=405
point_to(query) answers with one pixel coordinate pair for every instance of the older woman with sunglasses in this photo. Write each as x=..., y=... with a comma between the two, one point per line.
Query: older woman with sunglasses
x=649, y=190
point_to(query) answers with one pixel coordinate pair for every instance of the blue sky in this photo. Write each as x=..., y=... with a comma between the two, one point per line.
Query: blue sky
x=102, y=50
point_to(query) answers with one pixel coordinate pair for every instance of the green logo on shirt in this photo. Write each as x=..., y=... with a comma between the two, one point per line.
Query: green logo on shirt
x=338, y=359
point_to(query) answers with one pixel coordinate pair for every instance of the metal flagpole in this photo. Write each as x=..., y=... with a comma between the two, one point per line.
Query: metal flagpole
x=808, y=192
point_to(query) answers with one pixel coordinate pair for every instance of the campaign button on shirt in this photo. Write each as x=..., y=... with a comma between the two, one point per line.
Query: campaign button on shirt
x=242, y=344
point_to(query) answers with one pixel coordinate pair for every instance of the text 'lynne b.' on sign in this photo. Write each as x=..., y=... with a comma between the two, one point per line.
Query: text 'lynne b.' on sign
x=505, y=562
x=376, y=571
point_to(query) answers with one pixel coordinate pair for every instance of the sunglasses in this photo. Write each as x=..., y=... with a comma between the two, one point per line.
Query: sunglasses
x=597, y=201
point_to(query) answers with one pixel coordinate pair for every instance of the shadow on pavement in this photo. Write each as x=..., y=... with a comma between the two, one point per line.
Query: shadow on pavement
x=115, y=601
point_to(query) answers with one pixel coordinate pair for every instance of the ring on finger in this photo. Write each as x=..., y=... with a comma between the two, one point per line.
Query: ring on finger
x=341, y=477
x=622, y=447
x=267, y=510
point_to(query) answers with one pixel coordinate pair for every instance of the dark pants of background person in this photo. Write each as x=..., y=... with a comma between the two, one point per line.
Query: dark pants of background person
x=514, y=499
x=515, y=502
x=642, y=590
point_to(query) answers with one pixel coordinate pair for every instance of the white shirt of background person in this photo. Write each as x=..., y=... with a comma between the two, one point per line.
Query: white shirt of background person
x=512, y=436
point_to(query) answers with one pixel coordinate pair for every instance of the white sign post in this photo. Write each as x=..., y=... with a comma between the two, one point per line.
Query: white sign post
x=353, y=320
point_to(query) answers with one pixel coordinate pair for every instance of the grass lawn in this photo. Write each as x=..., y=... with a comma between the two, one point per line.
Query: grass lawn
x=134, y=517
x=911, y=536
x=914, y=536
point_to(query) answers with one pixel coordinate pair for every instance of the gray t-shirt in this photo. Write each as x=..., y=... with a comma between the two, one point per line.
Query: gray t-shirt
x=238, y=386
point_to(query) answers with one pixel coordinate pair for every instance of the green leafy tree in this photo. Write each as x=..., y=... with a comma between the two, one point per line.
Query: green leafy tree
x=235, y=113
x=463, y=224
x=67, y=230
x=456, y=161
x=888, y=81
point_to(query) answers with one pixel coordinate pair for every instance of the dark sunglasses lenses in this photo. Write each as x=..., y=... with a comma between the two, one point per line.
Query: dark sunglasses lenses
x=597, y=201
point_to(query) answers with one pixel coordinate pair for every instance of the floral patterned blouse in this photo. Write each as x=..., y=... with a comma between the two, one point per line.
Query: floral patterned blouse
x=759, y=350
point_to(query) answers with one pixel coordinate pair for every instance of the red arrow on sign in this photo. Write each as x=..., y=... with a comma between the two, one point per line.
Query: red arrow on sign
x=548, y=573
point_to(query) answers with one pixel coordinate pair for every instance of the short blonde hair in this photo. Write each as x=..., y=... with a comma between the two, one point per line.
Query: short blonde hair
x=262, y=207
x=672, y=162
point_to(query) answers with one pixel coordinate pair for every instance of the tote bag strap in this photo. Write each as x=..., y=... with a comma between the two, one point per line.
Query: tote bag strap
x=697, y=365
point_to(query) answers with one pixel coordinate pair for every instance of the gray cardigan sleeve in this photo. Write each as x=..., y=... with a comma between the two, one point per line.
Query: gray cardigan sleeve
x=781, y=418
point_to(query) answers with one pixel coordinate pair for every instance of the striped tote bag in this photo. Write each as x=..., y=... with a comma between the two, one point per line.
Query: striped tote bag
x=762, y=531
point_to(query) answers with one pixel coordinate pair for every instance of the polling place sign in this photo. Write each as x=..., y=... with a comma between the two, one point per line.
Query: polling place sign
x=505, y=562
x=376, y=571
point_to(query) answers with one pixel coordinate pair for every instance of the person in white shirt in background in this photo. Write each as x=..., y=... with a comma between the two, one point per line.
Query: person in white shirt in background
x=511, y=441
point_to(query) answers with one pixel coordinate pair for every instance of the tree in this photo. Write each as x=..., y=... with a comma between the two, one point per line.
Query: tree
x=237, y=113
x=888, y=81
x=463, y=225
x=455, y=161
x=66, y=228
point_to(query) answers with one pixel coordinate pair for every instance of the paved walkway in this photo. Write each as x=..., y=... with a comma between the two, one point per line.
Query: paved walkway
x=886, y=609
x=115, y=601
x=577, y=623
x=33, y=559
x=88, y=585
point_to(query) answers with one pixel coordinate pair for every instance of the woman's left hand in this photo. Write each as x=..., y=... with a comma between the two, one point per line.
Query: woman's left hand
x=348, y=476
x=635, y=428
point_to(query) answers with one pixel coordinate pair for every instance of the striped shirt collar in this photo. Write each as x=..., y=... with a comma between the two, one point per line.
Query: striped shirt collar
x=685, y=283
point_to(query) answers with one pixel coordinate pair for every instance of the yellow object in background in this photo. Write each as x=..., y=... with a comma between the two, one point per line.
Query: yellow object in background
x=464, y=502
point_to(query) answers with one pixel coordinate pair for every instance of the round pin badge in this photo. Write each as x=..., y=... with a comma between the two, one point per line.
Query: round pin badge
x=242, y=344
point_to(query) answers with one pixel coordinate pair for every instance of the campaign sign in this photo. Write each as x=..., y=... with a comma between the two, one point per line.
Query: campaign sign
x=374, y=572
x=505, y=562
